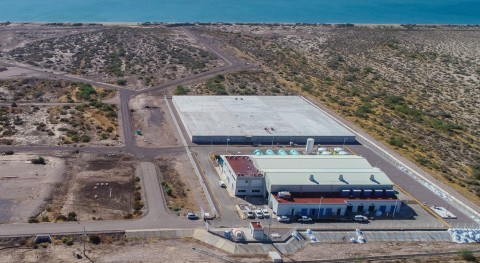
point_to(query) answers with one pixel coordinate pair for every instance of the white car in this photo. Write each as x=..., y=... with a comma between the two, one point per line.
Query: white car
x=250, y=214
x=222, y=184
x=360, y=218
x=265, y=213
x=305, y=219
x=283, y=219
x=192, y=216
x=259, y=214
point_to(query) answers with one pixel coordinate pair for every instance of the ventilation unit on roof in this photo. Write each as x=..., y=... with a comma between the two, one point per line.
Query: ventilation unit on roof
x=285, y=195
x=340, y=177
x=311, y=178
x=372, y=177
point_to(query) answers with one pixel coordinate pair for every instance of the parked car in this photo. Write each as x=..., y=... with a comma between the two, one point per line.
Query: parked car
x=259, y=214
x=360, y=218
x=222, y=184
x=283, y=219
x=304, y=219
x=192, y=216
x=265, y=213
x=250, y=214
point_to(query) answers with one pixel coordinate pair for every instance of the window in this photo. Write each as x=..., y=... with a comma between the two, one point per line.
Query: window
x=246, y=181
x=242, y=191
x=255, y=191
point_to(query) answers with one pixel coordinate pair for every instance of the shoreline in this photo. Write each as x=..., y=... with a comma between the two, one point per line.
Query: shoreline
x=227, y=23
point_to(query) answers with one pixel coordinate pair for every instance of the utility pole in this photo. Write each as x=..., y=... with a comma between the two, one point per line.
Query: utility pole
x=84, y=237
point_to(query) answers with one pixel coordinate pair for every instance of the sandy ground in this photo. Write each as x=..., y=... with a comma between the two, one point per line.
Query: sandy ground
x=331, y=251
x=24, y=187
x=87, y=188
x=195, y=197
x=152, y=118
x=180, y=250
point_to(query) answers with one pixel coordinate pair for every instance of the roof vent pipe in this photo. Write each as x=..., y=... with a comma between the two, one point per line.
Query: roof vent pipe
x=340, y=177
x=372, y=177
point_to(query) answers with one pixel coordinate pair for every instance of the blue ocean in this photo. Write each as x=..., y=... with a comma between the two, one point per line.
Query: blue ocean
x=263, y=11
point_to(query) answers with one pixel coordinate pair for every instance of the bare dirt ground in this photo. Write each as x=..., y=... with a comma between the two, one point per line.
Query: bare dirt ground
x=25, y=187
x=413, y=87
x=86, y=189
x=152, y=250
x=347, y=250
x=152, y=118
x=127, y=55
x=186, y=194
x=180, y=250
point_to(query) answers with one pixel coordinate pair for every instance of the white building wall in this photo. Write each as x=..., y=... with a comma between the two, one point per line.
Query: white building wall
x=323, y=209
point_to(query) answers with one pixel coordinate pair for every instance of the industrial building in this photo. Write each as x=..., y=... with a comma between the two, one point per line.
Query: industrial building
x=314, y=185
x=257, y=120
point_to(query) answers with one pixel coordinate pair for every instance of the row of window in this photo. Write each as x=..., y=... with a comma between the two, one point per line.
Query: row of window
x=244, y=191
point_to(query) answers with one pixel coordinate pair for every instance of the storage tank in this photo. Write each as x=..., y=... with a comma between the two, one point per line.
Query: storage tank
x=338, y=149
x=293, y=152
x=257, y=152
x=281, y=152
x=269, y=152
x=309, y=146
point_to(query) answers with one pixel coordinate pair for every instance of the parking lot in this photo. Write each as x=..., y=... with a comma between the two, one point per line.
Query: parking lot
x=233, y=210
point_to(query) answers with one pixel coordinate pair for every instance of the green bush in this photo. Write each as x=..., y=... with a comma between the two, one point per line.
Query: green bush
x=69, y=242
x=137, y=205
x=33, y=219
x=85, y=91
x=121, y=82
x=39, y=160
x=181, y=90
x=467, y=255
x=95, y=239
x=72, y=216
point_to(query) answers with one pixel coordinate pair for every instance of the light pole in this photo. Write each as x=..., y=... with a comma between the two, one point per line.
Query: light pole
x=319, y=205
x=395, y=210
x=211, y=144
x=269, y=225
x=273, y=138
x=344, y=142
x=228, y=139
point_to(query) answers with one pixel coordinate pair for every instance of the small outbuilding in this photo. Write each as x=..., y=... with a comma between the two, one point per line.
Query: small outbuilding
x=256, y=230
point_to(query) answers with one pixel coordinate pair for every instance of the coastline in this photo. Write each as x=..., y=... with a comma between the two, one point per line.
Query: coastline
x=74, y=24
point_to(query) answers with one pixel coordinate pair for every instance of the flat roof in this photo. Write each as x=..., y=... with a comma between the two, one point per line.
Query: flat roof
x=256, y=225
x=327, y=198
x=349, y=178
x=243, y=166
x=310, y=162
x=254, y=116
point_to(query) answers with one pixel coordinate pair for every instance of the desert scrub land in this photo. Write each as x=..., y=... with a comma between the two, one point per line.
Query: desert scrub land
x=132, y=56
x=82, y=119
x=41, y=90
x=241, y=83
x=179, y=196
x=414, y=88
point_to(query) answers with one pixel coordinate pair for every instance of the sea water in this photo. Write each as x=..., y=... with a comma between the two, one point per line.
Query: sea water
x=263, y=11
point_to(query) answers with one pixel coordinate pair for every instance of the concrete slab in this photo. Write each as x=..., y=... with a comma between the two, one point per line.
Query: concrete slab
x=256, y=119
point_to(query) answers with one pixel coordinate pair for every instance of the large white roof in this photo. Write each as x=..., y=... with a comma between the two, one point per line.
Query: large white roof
x=324, y=169
x=251, y=115
x=309, y=162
